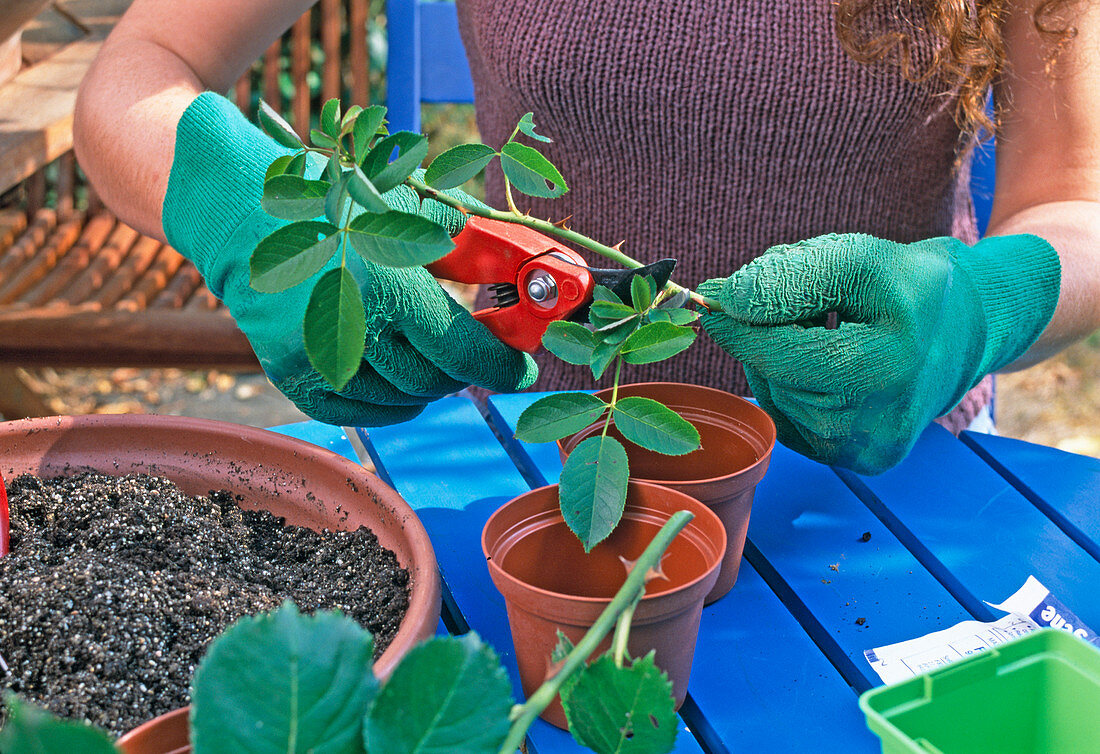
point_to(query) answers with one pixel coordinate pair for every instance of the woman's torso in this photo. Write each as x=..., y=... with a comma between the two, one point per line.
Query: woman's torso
x=709, y=131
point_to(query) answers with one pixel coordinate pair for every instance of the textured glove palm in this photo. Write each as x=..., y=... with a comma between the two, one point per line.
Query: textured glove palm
x=920, y=324
x=421, y=344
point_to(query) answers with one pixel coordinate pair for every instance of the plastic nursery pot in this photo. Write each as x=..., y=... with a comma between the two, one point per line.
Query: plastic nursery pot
x=1034, y=695
x=737, y=438
x=304, y=484
x=167, y=734
x=550, y=584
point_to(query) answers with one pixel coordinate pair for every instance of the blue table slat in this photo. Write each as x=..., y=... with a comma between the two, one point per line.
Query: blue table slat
x=807, y=526
x=976, y=533
x=757, y=678
x=451, y=468
x=324, y=435
x=1070, y=497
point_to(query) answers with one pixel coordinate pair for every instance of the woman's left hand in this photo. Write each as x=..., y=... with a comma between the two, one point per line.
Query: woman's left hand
x=919, y=325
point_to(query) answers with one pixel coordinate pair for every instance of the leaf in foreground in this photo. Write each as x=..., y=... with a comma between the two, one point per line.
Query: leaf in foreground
x=458, y=165
x=656, y=341
x=291, y=255
x=527, y=126
x=411, y=150
x=277, y=128
x=284, y=682
x=530, y=172
x=569, y=341
x=334, y=327
x=655, y=426
x=447, y=695
x=614, y=710
x=557, y=416
x=33, y=730
x=398, y=239
x=366, y=126
x=292, y=197
x=592, y=492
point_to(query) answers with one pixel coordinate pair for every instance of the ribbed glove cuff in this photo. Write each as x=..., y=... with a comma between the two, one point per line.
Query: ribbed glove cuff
x=216, y=181
x=1018, y=279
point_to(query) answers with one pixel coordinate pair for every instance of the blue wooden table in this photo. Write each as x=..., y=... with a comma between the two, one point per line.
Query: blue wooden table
x=779, y=663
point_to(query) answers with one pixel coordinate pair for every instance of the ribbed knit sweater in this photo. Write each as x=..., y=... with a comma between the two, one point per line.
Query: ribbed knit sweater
x=709, y=131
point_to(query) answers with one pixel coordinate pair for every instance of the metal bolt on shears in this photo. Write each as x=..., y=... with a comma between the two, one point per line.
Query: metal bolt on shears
x=533, y=280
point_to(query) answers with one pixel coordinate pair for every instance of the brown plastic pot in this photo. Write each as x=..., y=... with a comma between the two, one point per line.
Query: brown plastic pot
x=549, y=584
x=737, y=439
x=305, y=484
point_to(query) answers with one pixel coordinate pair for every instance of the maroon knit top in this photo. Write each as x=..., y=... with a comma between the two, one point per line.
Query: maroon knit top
x=709, y=131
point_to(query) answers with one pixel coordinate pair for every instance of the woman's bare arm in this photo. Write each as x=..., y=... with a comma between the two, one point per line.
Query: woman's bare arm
x=1048, y=164
x=159, y=57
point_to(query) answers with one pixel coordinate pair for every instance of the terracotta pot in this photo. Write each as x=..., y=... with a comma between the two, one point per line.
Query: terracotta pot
x=167, y=734
x=305, y=484
x=550, y=584
x=737, y=440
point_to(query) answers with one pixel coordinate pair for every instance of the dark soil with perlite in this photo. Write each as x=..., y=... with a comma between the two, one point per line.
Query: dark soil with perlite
x=115, y=585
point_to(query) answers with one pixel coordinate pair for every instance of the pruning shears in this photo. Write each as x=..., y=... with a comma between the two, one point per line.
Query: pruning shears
x=533, y=280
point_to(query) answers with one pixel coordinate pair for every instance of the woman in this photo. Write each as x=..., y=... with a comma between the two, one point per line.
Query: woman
x=705, y=131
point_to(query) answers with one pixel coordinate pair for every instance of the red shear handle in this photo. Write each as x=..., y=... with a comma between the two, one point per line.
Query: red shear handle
x=493, y=251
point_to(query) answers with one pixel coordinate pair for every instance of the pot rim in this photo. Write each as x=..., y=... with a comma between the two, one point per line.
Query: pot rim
x=424, y=602
x=698, y=509
x=759, y=466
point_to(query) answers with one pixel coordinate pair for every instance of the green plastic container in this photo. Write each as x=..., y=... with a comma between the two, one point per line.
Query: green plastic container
x=1038, y=694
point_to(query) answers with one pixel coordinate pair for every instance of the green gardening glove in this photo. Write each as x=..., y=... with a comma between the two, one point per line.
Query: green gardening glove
x=919, y=325
x=421, y=344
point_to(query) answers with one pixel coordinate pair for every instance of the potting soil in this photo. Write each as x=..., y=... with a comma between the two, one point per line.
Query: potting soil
x=115, y=586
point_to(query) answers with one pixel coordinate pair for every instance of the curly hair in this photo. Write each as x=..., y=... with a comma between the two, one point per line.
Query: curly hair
x=971, y=51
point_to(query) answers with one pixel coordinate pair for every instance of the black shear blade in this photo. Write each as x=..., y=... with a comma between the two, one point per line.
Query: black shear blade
x=619, y=280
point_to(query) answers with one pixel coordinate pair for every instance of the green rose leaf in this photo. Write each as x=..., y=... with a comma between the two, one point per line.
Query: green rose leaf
x=277, y=128
x=333, y=170
x=571, y=342
x=297, y=165
x=411, y=150
x=334, y=327
x=446, y=695
x=330, y=118
x=659, y=315
x=347, y=123
x=530, y=172
x=557, y=416
x=676, y=300
x=291, y=197
x=655, y=426
x=278, y=166
x=335, y=200
x=603, y=293
x=656, y=342
x=458, y=165
x=614, y=710
x=527, y=126
x=366, y=128
x=681, y=316
x=364, y=192
x=602, y=356
x=284, y=682
x=592, y=492
x=641, y=292
x=322, y=139
x=32, y=730
x=398, y=239
x=291, y=255
x=612, y=311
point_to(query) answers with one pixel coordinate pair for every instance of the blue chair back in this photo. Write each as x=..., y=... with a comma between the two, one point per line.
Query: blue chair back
x=425, y=62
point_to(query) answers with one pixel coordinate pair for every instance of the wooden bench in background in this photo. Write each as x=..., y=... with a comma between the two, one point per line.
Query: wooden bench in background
x=77, y=286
